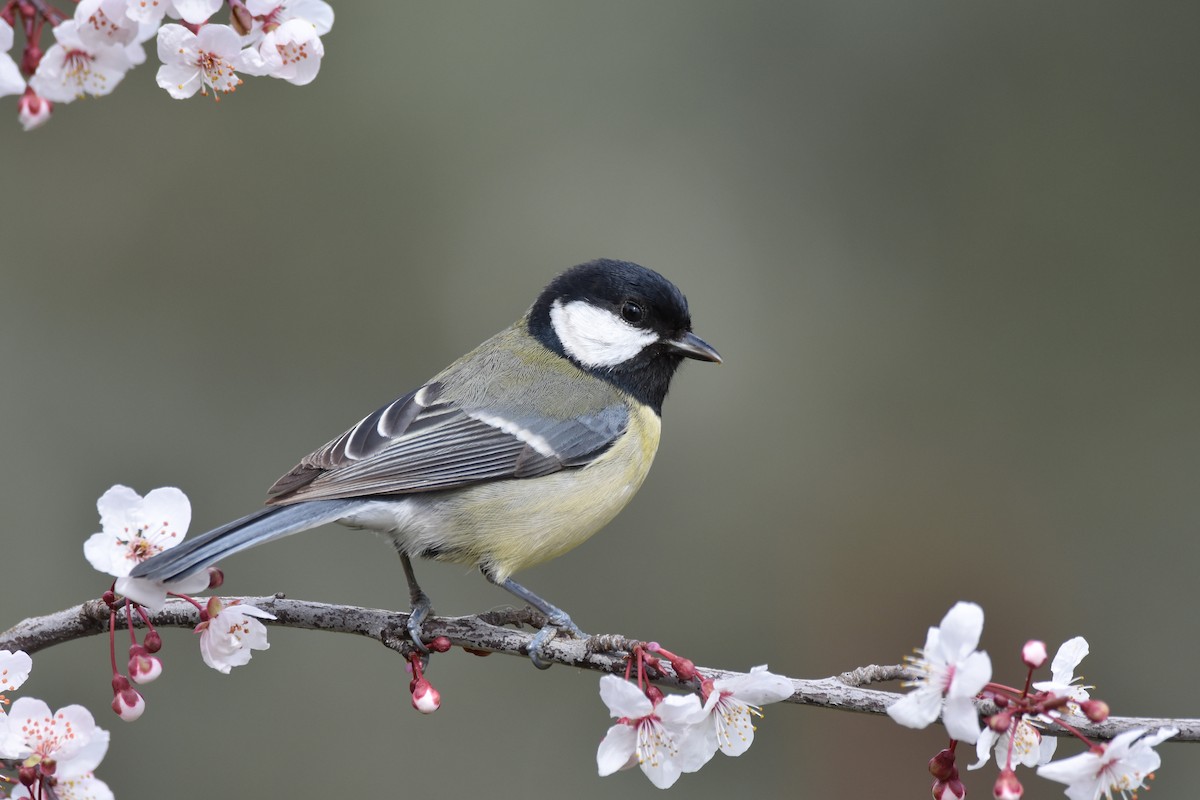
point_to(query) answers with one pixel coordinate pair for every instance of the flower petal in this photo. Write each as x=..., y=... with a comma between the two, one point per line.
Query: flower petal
x=918, y=708
x=618, y=750
x=971, y=674
x=1067, y=659
x=623, y=698
x=961, y=719
x=960, y=631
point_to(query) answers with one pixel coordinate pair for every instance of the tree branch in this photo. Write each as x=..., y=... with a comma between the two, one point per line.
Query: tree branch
x=490, y=633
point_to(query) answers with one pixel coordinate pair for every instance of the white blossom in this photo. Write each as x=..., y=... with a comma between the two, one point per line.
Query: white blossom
x=952, y=673
x=732, y=704
x=1062, y=672
x=103, y=23
x=71, y=69
x=1029, y=747
x=657, y=737
x=150, y=11
x=69, y=736
x=136, y=528
x=292, y=51
x=228, y=637
x=197, y=11
x=1121, y=766
x=11, y=81
x=196, y=62
x=15, y=667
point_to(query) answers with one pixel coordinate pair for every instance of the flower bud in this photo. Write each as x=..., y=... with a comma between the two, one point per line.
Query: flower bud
x=1095, y=710
x=128, y=704
x=1034, y=653
x=1000, y=722
x=27, y=775
x=143, y=667
x=952, y=789
x=214, y=607
x=48, y=766
x=152, y=642
x=240, y=18
x=654, y=693
x=425, y=698
x=109, y=597
x=942, y=765
x=440, y=644
x=685, y=668
x=1007, y=787
x=215, y=578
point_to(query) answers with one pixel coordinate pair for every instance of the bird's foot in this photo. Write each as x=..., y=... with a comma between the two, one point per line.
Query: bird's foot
x=555, y=624
x=421, y=608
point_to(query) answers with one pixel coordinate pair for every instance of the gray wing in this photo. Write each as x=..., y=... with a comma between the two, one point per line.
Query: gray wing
x=419, y=444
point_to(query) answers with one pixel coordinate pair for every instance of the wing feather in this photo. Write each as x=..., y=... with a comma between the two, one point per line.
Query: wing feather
x=421, y=442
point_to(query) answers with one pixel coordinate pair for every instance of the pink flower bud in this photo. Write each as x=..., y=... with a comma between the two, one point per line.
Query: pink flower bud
x=425, y=698
x=440, y=644
x=215, y=578
x=152, y=642
x=1007, y=787
x=942, y=766
x=128, y=704
x=685, y=668
x=240, y=18
x=143, y=667
x=48, y=766
x=654, y=693
x=1034, y=653
x=1000, y=722
x=1095, y=710
x=27, y=775
x=952, y=789
x=214, y=607
x=33, y=111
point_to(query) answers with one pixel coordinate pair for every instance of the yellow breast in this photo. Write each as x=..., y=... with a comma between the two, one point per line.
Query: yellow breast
x=511, y=525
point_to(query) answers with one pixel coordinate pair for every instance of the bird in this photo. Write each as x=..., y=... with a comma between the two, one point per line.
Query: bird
x=513, y=455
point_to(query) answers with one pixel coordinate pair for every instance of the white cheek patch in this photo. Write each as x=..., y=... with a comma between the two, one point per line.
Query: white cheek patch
x=595, y=337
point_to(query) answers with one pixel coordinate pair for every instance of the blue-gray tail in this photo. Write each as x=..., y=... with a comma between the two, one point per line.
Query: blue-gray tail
x=262, y=526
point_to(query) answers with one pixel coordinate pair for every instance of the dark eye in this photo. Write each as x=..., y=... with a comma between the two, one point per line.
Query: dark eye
x=633, y=312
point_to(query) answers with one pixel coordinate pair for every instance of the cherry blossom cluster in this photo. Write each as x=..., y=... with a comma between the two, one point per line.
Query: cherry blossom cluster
x=952, y=675
x=668, y=735
x=94, y=47
x=50, y=754
x=134, y=528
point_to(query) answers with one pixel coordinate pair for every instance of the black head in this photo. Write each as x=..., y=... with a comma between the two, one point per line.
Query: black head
x=622, y=322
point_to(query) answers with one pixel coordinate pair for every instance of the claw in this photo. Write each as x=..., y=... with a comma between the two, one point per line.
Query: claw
x=421, y=606
x=557, y=620
x=540, y=640
x=556, y=624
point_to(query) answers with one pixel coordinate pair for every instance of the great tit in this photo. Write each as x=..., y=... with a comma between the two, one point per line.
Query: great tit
x=514, y=454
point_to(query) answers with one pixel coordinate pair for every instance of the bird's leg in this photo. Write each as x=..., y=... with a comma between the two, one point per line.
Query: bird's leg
x=420, y=603
x=556, y=618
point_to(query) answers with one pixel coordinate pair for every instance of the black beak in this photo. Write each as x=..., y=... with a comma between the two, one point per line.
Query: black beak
x=692, y=346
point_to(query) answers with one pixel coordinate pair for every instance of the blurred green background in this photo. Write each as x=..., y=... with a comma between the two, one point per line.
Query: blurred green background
x=947, y=250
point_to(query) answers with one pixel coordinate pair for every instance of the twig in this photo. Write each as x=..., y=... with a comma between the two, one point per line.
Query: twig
x=491, y=633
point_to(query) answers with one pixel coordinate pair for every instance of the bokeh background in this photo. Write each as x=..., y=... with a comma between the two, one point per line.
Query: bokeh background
x=947, y=249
